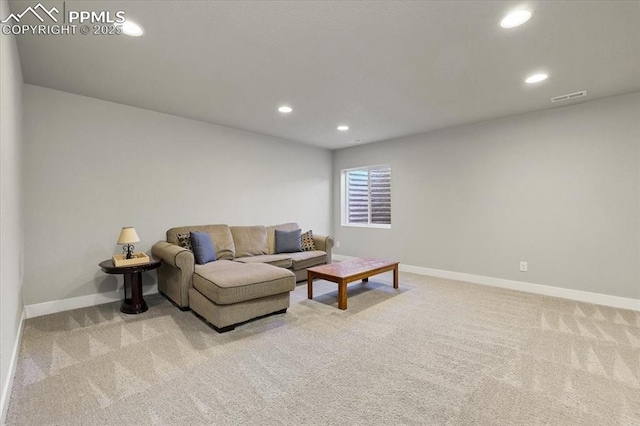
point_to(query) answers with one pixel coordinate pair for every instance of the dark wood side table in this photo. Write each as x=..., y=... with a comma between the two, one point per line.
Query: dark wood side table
x=134, y=304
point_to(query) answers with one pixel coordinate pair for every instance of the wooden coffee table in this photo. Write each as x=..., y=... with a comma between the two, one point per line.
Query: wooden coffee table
x=343, y=273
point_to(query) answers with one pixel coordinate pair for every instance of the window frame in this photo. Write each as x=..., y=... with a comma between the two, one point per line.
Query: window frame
x=344, y=197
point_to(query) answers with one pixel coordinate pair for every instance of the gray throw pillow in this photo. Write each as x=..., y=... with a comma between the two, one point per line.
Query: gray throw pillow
x=203, y=249
x=288, y=241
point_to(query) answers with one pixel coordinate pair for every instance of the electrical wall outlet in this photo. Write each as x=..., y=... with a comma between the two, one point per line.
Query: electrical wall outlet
x=337, y=244
x=523, y=266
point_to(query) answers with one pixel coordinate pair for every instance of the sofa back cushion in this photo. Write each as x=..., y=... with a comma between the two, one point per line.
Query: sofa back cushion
x=271, y=234
x=250, y=240
x=220, y=237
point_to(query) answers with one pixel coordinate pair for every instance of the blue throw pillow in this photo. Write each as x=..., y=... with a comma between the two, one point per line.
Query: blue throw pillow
x=288, y=241
x=203, y=249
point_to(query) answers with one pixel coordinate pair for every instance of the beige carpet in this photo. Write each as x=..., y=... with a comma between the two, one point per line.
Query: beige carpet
x=434, y=352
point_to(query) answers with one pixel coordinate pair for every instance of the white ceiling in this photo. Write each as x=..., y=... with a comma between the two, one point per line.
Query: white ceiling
x=386, y=69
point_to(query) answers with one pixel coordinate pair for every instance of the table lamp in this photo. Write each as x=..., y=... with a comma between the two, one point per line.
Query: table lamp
x=128, y=236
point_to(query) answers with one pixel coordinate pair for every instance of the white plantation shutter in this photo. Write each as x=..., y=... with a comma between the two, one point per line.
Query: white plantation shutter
x=380, y=190
x=358, y=200
x=368, y=196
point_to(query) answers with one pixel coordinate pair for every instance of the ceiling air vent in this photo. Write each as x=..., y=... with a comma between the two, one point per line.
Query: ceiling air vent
x=569, y=96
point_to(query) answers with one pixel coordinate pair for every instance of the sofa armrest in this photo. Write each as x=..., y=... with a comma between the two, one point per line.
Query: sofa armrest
x=172, y=254
x=175, y=275
x=324, y=243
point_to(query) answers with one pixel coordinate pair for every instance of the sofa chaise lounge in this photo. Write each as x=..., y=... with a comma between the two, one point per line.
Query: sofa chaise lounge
x=247, y=281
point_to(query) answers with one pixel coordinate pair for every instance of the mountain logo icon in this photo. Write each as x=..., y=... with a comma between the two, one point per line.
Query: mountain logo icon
x=34, y=11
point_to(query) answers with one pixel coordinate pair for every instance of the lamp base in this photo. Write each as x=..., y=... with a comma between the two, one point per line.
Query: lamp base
x=127, y=251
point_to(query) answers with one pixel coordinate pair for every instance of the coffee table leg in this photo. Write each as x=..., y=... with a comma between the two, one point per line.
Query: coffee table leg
x=395, y=277
x=342, y=295
x=309, y=285
x=364, y=280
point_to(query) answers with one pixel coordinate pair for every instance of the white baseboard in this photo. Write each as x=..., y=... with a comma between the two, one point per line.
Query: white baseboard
x=546, y=290
x=46, y=308
x=13, y=362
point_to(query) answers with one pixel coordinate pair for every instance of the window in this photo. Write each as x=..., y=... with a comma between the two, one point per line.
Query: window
x=366, y=196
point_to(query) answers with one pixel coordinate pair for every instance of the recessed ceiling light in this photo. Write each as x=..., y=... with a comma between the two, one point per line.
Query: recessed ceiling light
x=285, y=109
x=536, y=78
x=343, y=128
x=132, y=29
x=515, y=19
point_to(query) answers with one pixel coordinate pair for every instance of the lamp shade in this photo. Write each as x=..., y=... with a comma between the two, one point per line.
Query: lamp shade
x=128, y=235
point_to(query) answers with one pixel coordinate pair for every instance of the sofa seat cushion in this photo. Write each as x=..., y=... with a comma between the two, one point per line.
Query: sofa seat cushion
x=225, y=282
x=279, y=260
x=307, y=259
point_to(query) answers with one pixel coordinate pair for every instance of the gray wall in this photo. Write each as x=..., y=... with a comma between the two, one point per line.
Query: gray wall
x=92, y=167
x=11, y=247
x=557, y=188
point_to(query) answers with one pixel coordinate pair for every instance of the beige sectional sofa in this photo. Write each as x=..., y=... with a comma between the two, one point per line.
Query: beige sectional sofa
x=249, y=280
